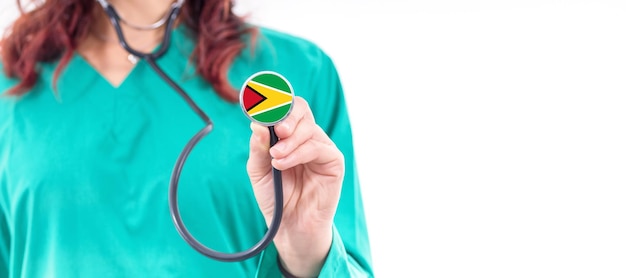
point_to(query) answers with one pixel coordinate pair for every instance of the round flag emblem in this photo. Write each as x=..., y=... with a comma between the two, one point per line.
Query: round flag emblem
x=266, y=97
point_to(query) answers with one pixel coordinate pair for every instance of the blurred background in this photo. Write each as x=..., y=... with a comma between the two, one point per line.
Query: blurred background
x=490, y=135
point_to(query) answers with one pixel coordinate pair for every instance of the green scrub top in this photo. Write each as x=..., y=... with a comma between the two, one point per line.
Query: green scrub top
x=85, y=169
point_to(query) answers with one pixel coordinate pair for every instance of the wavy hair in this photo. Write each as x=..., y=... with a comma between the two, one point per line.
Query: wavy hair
x=52, y=29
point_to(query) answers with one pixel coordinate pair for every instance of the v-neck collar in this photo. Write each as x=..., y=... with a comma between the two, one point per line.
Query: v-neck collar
x=80, y=77
x=83, y=63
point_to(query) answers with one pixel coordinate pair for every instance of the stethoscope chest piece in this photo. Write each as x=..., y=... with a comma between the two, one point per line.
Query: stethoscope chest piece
x=266, y=98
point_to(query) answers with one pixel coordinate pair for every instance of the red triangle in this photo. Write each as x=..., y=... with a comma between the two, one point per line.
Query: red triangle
x=251, y=98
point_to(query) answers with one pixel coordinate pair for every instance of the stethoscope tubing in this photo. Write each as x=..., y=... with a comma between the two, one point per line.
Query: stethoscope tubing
x=151, y=58
x=175, y=213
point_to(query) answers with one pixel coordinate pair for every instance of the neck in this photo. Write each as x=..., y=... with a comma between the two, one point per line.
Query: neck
x=142, y=12
x=101, y=47
x=134, y=13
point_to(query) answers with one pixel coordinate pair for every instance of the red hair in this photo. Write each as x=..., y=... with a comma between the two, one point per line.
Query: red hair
x=52, y=30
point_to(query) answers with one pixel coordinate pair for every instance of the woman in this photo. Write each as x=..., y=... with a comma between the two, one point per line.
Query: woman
x=89, y=135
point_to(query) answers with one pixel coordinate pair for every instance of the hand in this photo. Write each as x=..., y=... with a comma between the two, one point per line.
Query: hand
x=312, y=170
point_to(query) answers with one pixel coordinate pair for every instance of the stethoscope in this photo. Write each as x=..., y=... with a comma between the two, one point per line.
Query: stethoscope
x=151, y=58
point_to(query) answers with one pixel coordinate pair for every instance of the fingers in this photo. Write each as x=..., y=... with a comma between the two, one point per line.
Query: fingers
x=259, y=141
x=316, y=150
x=302, y=141
x=301, y=112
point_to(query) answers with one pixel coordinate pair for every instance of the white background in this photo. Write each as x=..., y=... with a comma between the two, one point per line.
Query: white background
x=490, y=135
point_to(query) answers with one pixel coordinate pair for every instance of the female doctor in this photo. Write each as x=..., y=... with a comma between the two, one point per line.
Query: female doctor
x=90, y=132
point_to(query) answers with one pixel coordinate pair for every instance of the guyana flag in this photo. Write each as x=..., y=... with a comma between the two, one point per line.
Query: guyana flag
x=267, y=97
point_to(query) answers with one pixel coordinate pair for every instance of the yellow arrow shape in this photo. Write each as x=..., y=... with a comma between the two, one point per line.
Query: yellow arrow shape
x=275, y=97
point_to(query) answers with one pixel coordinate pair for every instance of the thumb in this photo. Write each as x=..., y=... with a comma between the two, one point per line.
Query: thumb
x=259, y=161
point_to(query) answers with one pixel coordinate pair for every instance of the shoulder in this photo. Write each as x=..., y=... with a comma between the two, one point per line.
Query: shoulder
x=281, y=40
x=5, y=82
x=278, y=49
x=289, y=46
x=309, y=68
x=298, y=58
x=7, y=102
